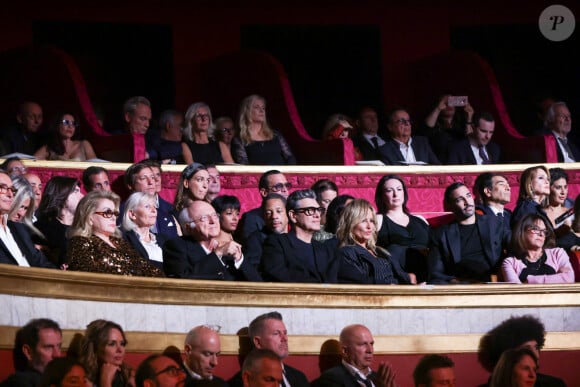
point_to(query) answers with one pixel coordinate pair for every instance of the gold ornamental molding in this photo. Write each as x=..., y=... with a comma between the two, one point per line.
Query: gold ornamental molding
x=45, y=283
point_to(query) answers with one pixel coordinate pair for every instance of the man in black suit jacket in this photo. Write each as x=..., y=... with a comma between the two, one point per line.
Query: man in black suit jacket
x=367, y=139
x=477, y=148
x=559, y=124
x=470, y=248
x=16, y=245
x=268, y=331
x=262, y=368
x=358, y=350
x=198, y=255
x=402, y=147
x=295, y=256
x=25, y=137
x=202, y=349
x=494, y=192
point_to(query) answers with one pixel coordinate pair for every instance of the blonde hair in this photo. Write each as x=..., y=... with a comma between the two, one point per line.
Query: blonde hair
x=190, y=116
x=526, y=179
x=353, y=214
x=244, y=120
x=87, y=207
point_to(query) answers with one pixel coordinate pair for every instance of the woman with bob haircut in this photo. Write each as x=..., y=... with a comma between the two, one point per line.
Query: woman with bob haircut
x=193, y=185
x=534, y=193
x=360, y=260
x=516, y=368
x=535, y=260
x=257, y=143
x=22, y=208
x=96, y=244
x=102, y=353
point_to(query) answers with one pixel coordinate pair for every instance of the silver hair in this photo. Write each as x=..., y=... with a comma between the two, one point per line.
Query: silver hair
x=134, y=201
x=190, y=115
x=130, y=105
x=551, y=113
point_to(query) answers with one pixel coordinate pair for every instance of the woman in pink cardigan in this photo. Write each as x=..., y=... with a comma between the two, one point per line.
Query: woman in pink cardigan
x=535, y=261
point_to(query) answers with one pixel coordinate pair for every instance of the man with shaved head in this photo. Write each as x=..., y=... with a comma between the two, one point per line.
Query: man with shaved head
x=202, y=349
x=357, y=346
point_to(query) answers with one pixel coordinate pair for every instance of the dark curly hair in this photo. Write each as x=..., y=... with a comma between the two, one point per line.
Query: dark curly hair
x=510, y=334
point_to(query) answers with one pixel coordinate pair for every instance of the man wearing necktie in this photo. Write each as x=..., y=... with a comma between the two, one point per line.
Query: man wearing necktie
x=559, y=123
x=477, y=147
x=494, y=192
x=355, y=371
x=367, y=139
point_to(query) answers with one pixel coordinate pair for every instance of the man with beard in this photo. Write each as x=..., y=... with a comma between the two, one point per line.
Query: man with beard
x=469, y=250
x=159, y=371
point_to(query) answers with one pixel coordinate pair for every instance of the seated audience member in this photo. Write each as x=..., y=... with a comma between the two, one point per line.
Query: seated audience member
x=358, y=351
x=434, y=371
x=63, y=142
x=22, y=209
x=95, y=243
x=198, y=146
x=275, y=222
x=102, y=353
x=469, y=249
x=570, y=241
x=13, y=166
x=145, y=177
x=513, y=333
x=516, y=367
x=257, y=143
x=558, y=201
x=558, y=122
x=272, y=181
x=202, y=349
x=65, y=372
x=197, y=254
x=295, y=257
x=55, y=215
x=137, y=115
x=446, y=125
x=404, y=236
x=339, y=126
x=477, y=148
x=26, y=136
x=224, y=133
x=16, y=245
x=267, y=332
x=325, y=190
x=35, y=345
x=193, y=185
x=159, y=370
x=360, y=260
x=402, y=147
x=228, y=209
x=333, y=212
x=534, y=193
x=36, y=185
x=494, y=193
x=367, y=140
x=96, y=179
x=166, y=146
x=535, y=261
x=261, y=368
x=214, y=187
x=139, y=217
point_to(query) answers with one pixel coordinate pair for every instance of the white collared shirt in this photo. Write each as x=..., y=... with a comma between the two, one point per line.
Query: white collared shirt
x=567, y=158
x=154, y=251
x=193, y=374
x=359, y=376
x=237, y=264
x=10, y=243
x=475, y=150
x=407, y=151
x=369, y=138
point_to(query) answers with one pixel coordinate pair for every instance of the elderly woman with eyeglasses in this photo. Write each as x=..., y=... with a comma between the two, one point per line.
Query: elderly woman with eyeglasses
x=198, y=145
x=96, y=244
x=64, y=142
x=535, y=260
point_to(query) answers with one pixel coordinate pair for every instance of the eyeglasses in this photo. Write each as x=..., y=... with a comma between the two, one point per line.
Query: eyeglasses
x=21, y=170
x=69, y=123
x=280, y=186
x=206, y=218
x=202, y=117
x=309, y=211
x=107, y=214
x=171, y=370
x=227, y=130
x=4, y=189
x=403, y=121
x=538, y=231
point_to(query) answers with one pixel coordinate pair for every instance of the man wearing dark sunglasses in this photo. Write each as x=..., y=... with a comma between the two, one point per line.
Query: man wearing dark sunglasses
x=295, y=256
x=272, y=181
x=16, y=246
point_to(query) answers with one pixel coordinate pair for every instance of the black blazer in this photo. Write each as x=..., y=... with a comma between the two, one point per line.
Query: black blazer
x=390, y=153
x=338, y=376
x=295, y=377
x=366, y=149
x=571, y=144
x=216, y=381
x=133, y=239
x=358, y=266
x=445, y=249
x=486, y=210
x=281, y=263
x=22, y=237
x=462, y=154
x=251, y=221
x=183, y=257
